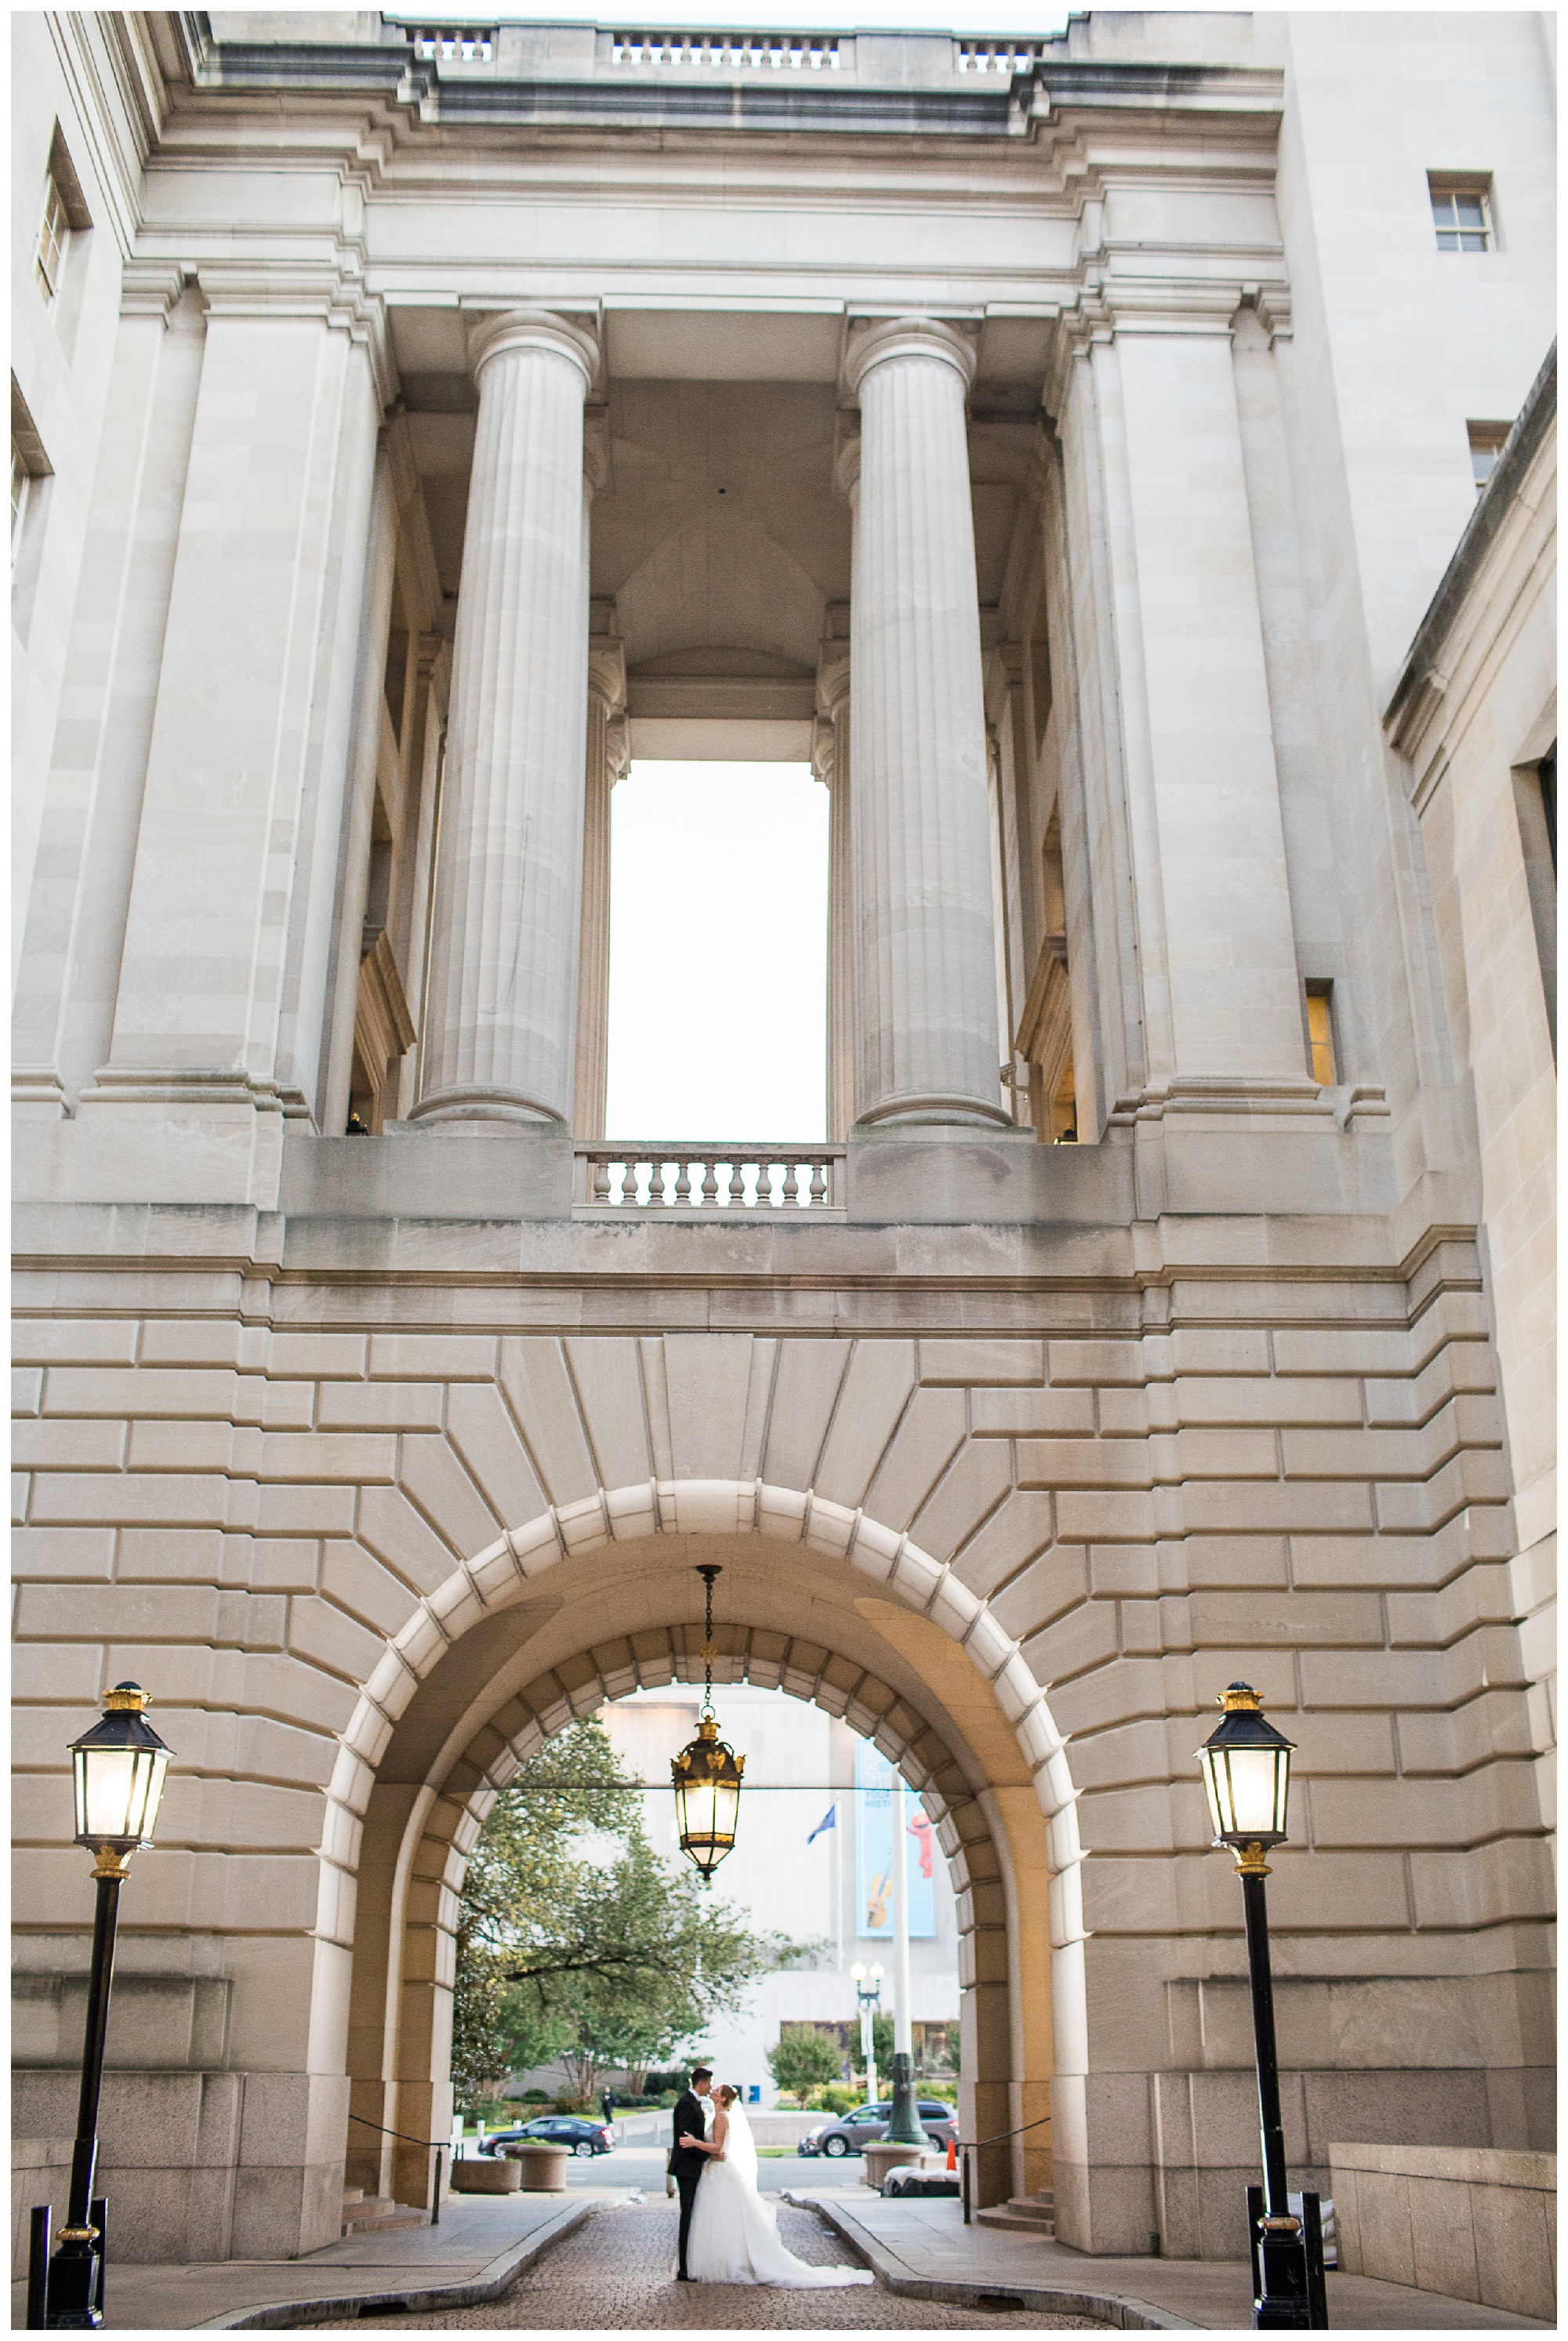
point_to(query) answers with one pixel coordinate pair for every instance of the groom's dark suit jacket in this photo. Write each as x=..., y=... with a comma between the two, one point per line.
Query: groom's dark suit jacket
x=686, y=2161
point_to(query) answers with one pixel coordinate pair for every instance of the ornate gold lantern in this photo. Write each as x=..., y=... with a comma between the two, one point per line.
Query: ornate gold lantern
x=706, y=1773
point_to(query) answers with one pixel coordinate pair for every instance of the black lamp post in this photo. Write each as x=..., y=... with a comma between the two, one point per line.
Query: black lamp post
x=1246, y=1766
x=707, y=1772
x=117, y=1772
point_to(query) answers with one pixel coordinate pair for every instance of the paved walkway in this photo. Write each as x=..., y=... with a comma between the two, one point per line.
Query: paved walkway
x=531, y=2262
x=617, y=2274
x=483, y=2244
x=923, y=2250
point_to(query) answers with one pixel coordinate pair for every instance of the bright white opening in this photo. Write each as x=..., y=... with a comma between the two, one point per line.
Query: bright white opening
x=718, y=954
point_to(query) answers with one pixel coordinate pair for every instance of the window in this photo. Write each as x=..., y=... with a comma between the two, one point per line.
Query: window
x=1462, y=212
x=52, y=237
x=30, y=471
x=19, y=478
x=1536, y=802
x=65, y=213
x=1319, y=1034
x=1487, y=442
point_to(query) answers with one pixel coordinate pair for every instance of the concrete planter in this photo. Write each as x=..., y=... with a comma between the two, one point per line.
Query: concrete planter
x=543, y=2166
x=879, y=2157
x=487, y=2175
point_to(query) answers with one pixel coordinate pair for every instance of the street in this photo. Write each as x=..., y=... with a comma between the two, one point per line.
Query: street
x=640, y=2165
x=617, y=2273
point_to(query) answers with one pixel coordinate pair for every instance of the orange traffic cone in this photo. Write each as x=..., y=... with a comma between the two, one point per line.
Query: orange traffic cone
x=951, y=2154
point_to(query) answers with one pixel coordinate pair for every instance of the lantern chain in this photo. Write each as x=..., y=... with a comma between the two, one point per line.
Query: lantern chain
x=707, y=1573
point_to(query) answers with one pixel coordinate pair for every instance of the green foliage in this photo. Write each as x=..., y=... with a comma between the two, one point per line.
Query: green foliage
x=836, y=2099
x=598, y=1953
x=802, y=2060
x=882, y=2048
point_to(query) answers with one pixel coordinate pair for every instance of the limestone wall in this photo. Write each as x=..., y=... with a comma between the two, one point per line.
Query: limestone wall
x=246, y=1484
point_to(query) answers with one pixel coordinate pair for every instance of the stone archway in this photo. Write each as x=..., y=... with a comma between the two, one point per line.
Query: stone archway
x=503, y=1654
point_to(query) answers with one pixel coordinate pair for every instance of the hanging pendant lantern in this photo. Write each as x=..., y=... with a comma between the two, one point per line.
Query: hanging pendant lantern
x=706, y=1773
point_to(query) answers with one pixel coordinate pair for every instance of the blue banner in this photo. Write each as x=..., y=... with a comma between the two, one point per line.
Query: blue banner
x=874, y=1850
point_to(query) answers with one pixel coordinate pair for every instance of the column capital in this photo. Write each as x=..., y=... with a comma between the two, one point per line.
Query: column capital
x=508, y=329
x=607, y=672
x=879, y=342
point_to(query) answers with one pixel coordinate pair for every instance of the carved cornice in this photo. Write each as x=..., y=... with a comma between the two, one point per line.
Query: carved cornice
x=334, y=291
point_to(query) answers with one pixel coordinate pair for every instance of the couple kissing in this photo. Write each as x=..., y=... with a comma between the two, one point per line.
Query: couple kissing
x=729, y=2234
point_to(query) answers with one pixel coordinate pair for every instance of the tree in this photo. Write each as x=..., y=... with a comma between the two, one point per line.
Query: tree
x=802, y=2060
x=602, y=1953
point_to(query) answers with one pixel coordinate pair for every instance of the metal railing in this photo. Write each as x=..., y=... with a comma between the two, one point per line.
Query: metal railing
x=974, y=2147
x=678, y=1175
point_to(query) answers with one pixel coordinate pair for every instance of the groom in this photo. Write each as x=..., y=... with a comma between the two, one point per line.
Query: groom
x=689, y=2155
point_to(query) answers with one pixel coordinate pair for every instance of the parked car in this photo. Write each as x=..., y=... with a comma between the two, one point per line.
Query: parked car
x=848, y=2133
x=555, y=2129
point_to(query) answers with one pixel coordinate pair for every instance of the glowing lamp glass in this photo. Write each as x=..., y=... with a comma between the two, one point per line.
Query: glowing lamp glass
x=117, y=1772
x=1246, y=1767
x=706, y=1775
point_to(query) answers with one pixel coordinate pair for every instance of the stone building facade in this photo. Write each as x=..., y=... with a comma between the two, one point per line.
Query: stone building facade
x=1058, y=440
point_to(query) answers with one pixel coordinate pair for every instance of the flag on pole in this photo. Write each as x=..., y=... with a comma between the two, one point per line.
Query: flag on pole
x=829, y=1820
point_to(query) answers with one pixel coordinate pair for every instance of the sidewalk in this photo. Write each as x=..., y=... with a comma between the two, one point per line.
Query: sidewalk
x=482, y=2245
x=923, y=2250
x=920, y=2250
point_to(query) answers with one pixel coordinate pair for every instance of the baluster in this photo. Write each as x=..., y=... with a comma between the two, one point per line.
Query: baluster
x=646, y=1196
x=818, y=1185
x=601, y=1164
x=710, y=1185
x=765, y=1185
x=682, y=1193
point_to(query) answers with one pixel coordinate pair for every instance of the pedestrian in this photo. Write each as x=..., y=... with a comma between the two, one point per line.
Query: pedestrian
x=607, y=2106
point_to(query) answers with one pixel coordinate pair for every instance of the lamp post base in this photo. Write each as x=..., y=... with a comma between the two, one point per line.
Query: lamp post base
x=1289, y=2294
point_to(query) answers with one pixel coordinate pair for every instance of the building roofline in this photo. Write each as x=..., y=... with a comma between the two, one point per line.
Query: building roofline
x=1491, y=506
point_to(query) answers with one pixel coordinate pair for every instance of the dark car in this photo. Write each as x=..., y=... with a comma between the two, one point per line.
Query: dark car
x=850, y=2132
x=555, y=2129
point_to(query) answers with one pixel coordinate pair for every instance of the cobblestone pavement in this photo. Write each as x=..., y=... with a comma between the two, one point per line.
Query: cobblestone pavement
x=617, y=2273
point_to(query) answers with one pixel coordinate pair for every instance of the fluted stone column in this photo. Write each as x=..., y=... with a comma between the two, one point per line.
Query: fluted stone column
x=608, y=757
x=928, y=1050
x=502, y=1004
x=830, y=762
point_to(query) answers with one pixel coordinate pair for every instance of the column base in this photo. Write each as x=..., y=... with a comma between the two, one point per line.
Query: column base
x=474, y=1104
x=933, y=1112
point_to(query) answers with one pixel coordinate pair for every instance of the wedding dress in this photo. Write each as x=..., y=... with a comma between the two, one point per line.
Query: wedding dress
x=735, y=2238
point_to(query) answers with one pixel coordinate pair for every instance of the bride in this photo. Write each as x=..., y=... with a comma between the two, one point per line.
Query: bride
x=733, y=2237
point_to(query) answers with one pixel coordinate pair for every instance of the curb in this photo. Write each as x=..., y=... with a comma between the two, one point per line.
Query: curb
x=1109, y=2308
x=492, y=2281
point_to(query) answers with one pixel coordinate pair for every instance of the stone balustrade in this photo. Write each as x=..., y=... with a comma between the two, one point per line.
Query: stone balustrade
x=675, y=1175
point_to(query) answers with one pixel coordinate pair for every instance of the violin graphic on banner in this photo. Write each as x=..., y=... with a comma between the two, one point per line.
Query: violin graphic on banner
x=874, y=1850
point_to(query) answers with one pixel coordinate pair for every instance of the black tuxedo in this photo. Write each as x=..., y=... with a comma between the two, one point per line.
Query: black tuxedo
x=687, y=2163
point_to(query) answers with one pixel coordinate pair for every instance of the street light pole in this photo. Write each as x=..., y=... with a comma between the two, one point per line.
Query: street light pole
x=1246, y=1772
x=868, y=1992
x=117, y=1772
x=904, y=2127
